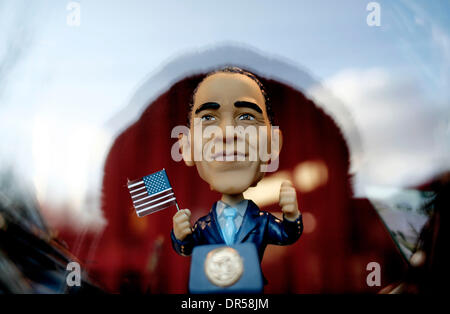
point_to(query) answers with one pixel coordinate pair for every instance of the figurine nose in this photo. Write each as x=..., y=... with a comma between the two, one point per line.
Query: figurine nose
x=227, y=121
x=231, y=136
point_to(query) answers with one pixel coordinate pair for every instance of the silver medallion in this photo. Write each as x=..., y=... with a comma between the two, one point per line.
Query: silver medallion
x=223, y=266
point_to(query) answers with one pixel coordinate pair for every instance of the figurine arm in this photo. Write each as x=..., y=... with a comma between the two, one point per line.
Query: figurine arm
x=182, y=238
x=183, y=247
x=290, y=229
x=187, y=237
x=283, y=232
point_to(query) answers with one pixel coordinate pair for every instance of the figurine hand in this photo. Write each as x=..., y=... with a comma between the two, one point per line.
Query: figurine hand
x=288, y=201
x=181, y=224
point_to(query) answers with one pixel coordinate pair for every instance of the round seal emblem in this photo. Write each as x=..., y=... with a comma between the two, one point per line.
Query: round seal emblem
x=223, y=266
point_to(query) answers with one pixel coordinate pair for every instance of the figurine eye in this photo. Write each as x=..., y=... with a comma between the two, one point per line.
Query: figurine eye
x=208, y=117
x=246, y=116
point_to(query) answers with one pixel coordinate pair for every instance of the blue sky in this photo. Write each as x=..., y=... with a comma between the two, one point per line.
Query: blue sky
x=119, y=43
x=73, y=79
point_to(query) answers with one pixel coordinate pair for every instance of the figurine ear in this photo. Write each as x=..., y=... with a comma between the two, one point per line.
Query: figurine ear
x=186, y=151
x=277, y=136
x=275, y=145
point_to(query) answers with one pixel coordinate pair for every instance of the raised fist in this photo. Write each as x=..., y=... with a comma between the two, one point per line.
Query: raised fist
x=288, y=201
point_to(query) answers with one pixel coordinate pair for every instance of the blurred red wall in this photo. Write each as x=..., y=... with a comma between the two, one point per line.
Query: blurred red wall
x=135, y=254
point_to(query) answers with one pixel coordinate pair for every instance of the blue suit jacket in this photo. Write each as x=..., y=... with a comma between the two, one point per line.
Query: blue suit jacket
x=258, y=227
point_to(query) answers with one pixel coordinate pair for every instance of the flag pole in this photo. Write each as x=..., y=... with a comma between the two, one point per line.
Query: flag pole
x=178, y=208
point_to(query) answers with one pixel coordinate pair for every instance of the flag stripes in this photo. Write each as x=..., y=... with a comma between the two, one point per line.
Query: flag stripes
x=151, y=193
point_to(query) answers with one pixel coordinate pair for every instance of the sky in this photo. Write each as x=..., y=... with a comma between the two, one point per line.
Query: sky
x=61, y=83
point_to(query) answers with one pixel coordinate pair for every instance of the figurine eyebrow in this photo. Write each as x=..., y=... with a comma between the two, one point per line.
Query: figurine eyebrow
x=207, y=105
x=237, y=104
x=247, y=104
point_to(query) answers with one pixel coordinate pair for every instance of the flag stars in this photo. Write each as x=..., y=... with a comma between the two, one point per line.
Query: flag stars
x=158, y=194
x=156, y=182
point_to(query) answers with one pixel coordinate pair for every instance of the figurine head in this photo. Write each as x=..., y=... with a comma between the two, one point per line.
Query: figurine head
x=230, y=123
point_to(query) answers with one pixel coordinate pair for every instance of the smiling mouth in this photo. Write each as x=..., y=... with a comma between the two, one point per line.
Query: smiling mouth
x=223, y=156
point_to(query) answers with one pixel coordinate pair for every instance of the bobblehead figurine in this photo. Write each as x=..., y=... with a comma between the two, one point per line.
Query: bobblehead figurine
x=232, y=97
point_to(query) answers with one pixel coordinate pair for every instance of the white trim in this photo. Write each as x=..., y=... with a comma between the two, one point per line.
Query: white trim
x=152, y=201
x=134, y=184
x=153, y=206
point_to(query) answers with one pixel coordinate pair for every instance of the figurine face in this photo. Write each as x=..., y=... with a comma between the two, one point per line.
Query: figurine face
x=228, y=100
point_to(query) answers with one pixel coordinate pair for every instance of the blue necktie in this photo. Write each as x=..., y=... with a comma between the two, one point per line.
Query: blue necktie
x=230, y=227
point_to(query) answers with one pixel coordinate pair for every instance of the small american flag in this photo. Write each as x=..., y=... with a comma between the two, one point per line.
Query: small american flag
x=151, y=193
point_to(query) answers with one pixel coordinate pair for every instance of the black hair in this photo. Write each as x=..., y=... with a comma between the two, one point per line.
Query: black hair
x=269, y=111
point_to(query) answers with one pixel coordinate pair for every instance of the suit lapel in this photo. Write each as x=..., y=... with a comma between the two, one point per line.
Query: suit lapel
x=249, y=221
